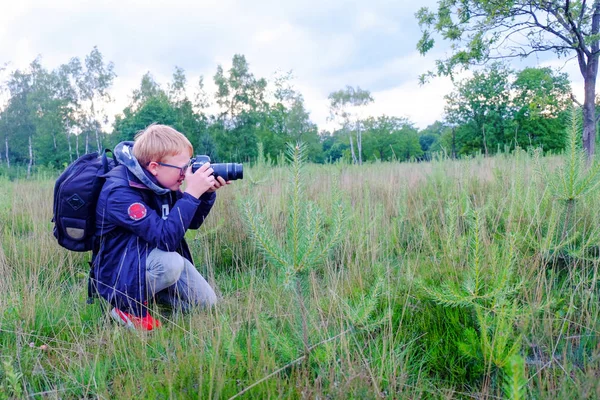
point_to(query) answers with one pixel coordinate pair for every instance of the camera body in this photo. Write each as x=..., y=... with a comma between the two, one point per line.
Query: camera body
x=227, y=171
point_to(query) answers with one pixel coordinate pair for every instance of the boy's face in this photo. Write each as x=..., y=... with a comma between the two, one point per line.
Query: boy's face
x=170, y=171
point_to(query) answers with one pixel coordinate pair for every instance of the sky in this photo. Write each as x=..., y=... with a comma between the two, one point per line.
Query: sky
x=327, y=44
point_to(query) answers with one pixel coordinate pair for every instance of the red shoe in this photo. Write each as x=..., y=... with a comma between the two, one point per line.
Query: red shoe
x=146, y=323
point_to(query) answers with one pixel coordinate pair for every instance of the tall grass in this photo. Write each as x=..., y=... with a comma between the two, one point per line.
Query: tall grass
x=451, y=279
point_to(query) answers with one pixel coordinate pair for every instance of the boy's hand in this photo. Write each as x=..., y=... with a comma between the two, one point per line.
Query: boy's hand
x=219, y=183
x=199, y=182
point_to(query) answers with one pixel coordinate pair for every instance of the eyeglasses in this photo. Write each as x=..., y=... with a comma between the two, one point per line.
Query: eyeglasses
x=182, y=170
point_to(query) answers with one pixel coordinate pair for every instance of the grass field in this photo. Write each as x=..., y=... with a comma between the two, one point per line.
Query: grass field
x=449, y=279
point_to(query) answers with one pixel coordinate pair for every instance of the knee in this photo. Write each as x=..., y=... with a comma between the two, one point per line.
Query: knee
x=210, y=298
x=173, y=264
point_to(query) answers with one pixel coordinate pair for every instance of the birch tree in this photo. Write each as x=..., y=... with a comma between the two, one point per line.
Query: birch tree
x=345, y=107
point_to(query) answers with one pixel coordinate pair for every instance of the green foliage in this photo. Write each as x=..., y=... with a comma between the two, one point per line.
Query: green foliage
x=364, y=312
x=487, y=288
x=483, y=31
x=151, y=104
x=438, y=287
x=390, y=138
x=288, y=121
x=306, y=243
x=238, y=91
x=11, y=386
x=344, y=109
x=575, y=179
x=481, y=106
x=573, y=182
x=492, y=112
x=473, y=27
x=61, y=113
x=515, y=379
x=295, y=257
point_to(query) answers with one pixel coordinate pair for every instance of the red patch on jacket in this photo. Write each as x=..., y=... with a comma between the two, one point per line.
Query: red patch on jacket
x=136, y=211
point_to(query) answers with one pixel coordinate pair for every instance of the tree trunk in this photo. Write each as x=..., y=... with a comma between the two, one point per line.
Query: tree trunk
x=70, y=149
x=589, y=71
x=589, y=110
x=359, y=142
x=454, y=143
x=30, y=158
x=354, y=161
x=77, y=145
x=93, y=109
x=98, y=140
x=484, y=141
x=6, y=147
x=87, y=142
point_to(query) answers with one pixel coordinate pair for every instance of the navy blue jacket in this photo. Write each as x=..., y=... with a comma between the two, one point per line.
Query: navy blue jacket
x=132, y=220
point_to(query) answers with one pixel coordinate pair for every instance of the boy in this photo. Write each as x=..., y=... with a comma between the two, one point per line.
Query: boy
x=141, y=219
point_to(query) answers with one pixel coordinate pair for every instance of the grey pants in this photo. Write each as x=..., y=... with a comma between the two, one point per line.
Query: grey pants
x=173, y=280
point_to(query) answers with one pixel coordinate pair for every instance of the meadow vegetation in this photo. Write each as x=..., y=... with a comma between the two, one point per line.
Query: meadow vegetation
x=472, y=278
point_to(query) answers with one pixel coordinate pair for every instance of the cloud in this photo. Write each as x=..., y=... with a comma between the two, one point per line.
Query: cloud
x=422, y=105
x=328, y=45
x=372, y=21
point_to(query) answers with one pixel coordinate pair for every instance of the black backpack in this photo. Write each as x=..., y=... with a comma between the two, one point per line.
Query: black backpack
x=76, y=193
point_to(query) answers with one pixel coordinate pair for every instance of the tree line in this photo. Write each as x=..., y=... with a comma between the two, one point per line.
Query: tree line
x=482, y=31
x=50, y=117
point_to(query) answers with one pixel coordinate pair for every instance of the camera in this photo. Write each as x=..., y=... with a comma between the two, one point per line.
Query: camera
x=227, y=171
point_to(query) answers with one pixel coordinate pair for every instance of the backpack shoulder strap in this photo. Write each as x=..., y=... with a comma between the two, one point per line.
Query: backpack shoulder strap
x=106, y=161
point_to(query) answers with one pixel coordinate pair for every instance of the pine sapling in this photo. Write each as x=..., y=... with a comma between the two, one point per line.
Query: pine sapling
x=573, y=181
x=307, y=243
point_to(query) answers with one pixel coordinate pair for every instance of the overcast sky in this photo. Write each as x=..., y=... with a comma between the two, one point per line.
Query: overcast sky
x=327, y=43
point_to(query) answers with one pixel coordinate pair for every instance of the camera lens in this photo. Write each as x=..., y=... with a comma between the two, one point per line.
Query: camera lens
x=228, y=171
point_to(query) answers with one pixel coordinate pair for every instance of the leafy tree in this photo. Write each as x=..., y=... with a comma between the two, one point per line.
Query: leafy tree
x=334, y=146
x=133, y=120
x=541, y=98
x=176, y=89
x=3, y=132
x=239, y=142
x=94, y=82
x=481, y=105
x=192, y=124
x=205, y=141
x=239, y=90
x=290, y=121
x=151, y=104
x=344, y=106
x=19, y=115
x=430, y=138
x=496, y=109
x=67, y=87
x=201, y=99
x=50, y=98
x=243, y=111
x=482, y=30
x=390, y=138
x=148, y=89
x=542, y=91
x=39, y=109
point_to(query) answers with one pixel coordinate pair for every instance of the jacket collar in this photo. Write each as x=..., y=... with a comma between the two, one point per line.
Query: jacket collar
x=135, y=182
x=124, y=155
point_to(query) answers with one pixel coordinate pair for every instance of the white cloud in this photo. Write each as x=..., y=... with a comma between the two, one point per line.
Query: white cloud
x=370, y=20
x=328, y=45
x=422, y=105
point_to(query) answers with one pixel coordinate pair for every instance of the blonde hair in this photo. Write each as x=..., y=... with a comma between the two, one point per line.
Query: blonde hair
x=157, y=142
